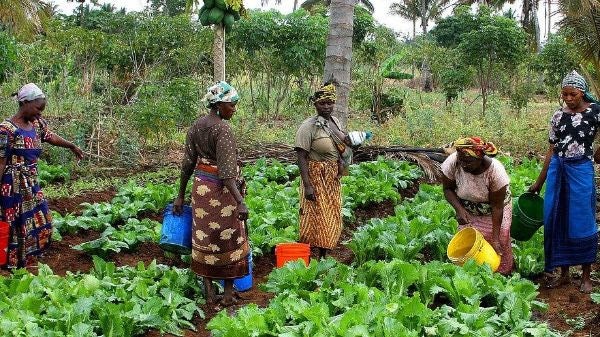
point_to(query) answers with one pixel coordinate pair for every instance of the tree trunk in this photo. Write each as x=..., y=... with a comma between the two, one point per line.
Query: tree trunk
x=338, y=56
x=296, y=4
x=549, y=19
x=219, y=53
x=536, y=25
x=414, y=28
x=425, y=72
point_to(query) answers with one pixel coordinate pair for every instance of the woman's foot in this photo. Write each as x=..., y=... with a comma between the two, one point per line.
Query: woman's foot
x=586, y=286
x=558, y=282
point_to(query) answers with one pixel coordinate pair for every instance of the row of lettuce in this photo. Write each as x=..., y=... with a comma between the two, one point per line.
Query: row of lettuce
x=398, y=284
x=393, y=285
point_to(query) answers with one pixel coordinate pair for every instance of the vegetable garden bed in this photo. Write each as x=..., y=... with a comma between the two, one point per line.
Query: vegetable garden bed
x=569, y=311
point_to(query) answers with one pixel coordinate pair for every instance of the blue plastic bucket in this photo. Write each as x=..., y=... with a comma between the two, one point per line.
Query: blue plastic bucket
x=176, y=232
x=245, y=282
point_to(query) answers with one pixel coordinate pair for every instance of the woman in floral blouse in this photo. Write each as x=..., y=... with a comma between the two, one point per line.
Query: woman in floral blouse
x=570, y=231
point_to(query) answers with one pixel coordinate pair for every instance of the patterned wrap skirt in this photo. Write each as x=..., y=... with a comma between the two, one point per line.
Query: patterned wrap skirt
x=321, y=220
x=483, y=223
x=219, y=239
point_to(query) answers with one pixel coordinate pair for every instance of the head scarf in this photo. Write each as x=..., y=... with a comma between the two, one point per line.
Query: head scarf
x=325, y=92
x=220, y=92
x=29, y=92
x=573, y=79
x=475, y=147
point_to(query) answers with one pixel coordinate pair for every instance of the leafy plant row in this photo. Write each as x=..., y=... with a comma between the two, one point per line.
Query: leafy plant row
x=109, y=301
x=273, y=196
x=388, y=298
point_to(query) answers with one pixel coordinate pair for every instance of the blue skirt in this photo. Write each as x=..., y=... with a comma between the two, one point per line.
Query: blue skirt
x=570, y=230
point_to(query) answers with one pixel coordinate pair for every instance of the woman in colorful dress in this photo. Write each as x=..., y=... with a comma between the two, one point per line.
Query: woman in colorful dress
x=219, y=237
x=477, y=187
x=22, y=202
x=319, y=143
x=570, y=230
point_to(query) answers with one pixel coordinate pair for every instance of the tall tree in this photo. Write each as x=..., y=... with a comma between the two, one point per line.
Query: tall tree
x=338, y=55
x=309, y=4
x=407, y=9
x=581, y=24
x=24, y=18
x=531, y=24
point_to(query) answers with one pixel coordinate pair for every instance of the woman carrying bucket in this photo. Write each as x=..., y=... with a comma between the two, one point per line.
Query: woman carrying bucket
x=22, y=202
x=570, y=231
x=477, y=186
x=319, y=145
x=219, y=239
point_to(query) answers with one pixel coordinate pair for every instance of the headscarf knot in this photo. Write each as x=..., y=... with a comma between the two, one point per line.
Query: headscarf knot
x=475, y=147
x=220, y=92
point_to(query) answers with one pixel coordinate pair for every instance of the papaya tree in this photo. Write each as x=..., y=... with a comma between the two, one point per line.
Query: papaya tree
x=221, y=14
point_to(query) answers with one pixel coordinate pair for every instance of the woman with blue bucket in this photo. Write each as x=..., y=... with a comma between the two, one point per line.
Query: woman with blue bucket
x=570, y=231
x=219, y=238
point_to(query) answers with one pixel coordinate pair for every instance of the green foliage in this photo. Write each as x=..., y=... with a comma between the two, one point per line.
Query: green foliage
x=424, y=221
x=497, y=41
x=48, y=174
x=388, y=299
x=364, y=24
x=126, y=237
x=384, y=178
x=273, y=196
x=109, y=301
x=556, y=59
x=8, y=55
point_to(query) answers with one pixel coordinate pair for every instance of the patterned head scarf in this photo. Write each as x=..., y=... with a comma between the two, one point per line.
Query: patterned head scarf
x=220, y=92
x=325, y=92
x=29, y=92
x=475, y=147
x=573, y=79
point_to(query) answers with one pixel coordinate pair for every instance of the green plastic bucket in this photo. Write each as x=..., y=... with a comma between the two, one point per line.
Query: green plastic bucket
x=527, y=217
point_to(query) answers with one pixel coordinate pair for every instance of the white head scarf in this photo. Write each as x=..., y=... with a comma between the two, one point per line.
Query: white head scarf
x=29, y=92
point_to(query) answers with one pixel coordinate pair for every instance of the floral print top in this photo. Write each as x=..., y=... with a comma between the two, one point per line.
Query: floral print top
x=573, y=133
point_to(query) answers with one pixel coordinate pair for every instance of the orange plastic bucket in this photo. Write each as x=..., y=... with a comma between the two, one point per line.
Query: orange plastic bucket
x=285, y=252
x=4, y=233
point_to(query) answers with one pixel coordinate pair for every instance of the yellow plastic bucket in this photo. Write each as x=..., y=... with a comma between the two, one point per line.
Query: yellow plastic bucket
x=469, y=243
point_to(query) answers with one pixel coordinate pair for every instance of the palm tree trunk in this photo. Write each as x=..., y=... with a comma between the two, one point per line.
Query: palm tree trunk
x=338, y=55
x=219, y=53
x=296, y=4
x=414, y=28
x=549, y=18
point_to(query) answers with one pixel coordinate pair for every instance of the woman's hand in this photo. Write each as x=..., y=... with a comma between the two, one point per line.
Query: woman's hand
x=535, y=188
x=463, y=217
x=242, y=210
x=77, y=152
x=497, y=246
x=340, y=170
x=178, y=206
x=309, y=193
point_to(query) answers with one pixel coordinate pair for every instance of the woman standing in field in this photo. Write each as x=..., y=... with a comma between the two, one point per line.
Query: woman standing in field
x=477, y=186
x=319, y=142
x=570, y=231
x=22, y=202
x=219, y=238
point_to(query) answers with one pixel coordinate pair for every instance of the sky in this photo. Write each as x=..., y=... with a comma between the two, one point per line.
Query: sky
x=399, y=25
